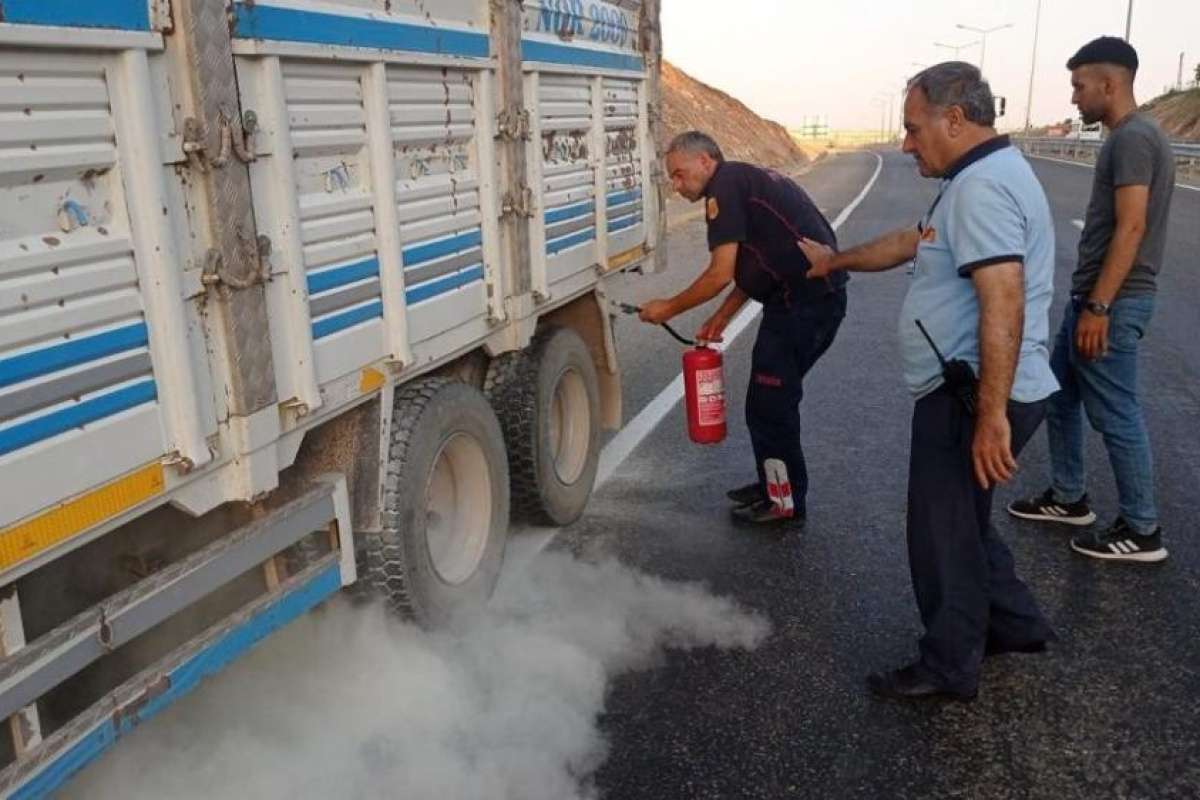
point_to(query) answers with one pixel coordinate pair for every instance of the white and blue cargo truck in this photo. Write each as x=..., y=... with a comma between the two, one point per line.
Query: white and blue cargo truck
x=296, y=296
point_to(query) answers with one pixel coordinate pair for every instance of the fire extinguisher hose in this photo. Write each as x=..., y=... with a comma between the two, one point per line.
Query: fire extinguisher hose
x=632, y=309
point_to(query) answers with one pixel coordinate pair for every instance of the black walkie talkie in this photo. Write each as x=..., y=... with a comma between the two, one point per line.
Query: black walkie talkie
x=959, y=376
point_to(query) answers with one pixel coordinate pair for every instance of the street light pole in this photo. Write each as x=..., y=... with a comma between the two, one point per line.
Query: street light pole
x=884, y=132
x=983, y=33
x=1037, y=23
x=1128, y=20
x=905, y=79
x=956, y=47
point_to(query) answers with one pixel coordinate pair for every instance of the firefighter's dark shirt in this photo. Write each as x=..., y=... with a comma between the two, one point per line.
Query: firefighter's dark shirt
x=765, y=213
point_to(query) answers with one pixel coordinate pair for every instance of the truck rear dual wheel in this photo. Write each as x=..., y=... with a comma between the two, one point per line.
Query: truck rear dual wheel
x=548, y=399
x=446, y=503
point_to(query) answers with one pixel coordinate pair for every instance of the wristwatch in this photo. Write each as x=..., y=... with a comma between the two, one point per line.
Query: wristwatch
x=1097, y=308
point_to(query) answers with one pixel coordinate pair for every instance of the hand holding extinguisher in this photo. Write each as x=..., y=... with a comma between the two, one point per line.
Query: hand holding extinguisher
x=703, y=381
x=712, y=331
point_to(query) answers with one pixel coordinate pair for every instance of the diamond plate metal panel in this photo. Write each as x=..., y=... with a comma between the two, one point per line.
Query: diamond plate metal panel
x=204, y=27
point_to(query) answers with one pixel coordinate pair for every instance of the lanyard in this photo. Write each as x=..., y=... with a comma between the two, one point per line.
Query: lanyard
x=924, y=223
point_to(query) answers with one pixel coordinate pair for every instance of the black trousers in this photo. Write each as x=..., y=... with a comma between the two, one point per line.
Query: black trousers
x=789, y=343
x=962, y=573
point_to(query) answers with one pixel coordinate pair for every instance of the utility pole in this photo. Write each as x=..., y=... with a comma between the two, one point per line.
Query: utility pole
x=884, y=122
x=1128, y=20
x=1179, y=76
x=1037, y=23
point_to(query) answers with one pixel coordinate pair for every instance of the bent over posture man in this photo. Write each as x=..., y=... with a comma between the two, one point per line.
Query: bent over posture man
x=981, y=287
x=754, y=218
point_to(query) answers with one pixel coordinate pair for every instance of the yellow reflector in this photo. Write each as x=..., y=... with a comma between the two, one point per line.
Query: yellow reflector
x=26, y=539
x=626, y=258
x=371, y=380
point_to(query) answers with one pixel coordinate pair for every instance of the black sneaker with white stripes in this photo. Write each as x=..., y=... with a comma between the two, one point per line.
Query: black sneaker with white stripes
x=1120, y=543
x=1045, y=508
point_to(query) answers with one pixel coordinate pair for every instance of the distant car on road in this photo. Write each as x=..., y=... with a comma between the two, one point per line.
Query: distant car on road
x=1085, y=133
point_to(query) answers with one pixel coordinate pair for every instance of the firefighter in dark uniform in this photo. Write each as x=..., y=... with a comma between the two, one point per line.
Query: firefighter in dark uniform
x=755, y=217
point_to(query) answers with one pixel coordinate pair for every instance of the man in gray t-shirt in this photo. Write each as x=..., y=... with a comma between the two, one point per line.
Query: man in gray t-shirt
x=1095, y=354
x=1137, y=153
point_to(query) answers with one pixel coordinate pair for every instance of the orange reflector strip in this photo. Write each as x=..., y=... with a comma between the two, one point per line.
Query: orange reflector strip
x=626, y=258
x=37, y=534
x=371, y=380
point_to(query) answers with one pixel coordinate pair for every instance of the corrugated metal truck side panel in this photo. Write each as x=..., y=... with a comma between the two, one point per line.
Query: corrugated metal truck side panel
x=193, y=277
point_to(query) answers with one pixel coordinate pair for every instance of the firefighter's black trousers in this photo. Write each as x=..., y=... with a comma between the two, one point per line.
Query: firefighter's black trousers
x=789, y=343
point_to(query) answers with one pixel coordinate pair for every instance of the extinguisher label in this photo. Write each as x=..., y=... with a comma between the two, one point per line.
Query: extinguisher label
x=710, y=396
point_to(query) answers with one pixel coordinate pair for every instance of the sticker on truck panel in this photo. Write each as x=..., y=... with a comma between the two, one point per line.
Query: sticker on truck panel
x=598, y=22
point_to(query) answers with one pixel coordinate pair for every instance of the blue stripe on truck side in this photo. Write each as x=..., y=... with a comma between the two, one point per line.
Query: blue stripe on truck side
x=183, y=679
x=572, y=211
x=439, y=286
x=532, y=50
x=46, y=360
x=621, y=198
x=431, y=250
x=257, y=21
x=347, y=319
x=71, y=417
x=326, y=279
x=131, y=15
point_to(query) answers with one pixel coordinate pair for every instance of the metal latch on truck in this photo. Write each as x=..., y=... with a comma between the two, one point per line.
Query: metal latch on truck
x=236, y=138
x=513, y=123
x=519, y=203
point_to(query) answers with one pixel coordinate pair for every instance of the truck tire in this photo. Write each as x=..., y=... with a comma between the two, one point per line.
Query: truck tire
x=446, y=504
x=548, y=401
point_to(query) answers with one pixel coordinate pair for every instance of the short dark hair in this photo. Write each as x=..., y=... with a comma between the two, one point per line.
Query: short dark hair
x=696, y=142
x=1106, y=50
x=957, y=83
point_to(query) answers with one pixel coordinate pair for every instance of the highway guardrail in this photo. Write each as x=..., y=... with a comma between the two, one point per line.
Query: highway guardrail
x=1187, y=155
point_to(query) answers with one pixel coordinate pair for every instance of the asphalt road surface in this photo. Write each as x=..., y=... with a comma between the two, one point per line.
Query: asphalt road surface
x=1111, y=711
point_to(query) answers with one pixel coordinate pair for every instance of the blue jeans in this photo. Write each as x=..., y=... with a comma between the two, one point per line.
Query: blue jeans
x=1107, y=389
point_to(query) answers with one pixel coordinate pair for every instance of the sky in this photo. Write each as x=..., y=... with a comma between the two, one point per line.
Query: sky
x=792, y=60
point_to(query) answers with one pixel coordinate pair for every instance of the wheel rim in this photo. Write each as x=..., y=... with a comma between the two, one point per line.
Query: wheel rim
x=458, y=508
x=570, y=426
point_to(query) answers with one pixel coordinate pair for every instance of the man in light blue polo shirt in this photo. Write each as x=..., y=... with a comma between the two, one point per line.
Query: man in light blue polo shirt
x=981, y=289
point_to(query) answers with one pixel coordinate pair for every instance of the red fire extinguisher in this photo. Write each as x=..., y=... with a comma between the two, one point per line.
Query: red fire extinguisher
x=703, y=387
x=704, y=394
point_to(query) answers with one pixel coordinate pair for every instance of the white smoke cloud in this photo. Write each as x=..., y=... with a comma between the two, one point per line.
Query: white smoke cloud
x=349, y=703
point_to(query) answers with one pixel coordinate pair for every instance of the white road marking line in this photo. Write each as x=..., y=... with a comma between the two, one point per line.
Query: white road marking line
x=638, y=428
x=1089, y=166
x=629, y=437
x=1078, y=223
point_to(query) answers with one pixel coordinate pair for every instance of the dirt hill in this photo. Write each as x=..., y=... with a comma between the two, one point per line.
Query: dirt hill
x=1178, y=113
x=689, y=104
